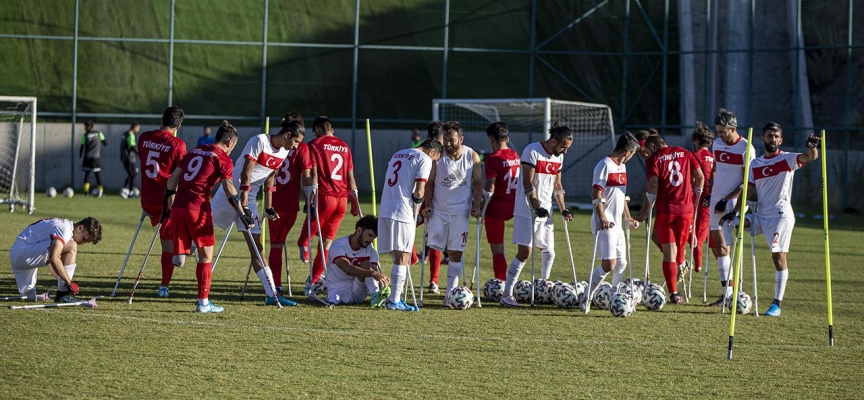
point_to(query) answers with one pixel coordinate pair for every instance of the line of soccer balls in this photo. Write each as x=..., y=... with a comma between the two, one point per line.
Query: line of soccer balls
x=68, y=192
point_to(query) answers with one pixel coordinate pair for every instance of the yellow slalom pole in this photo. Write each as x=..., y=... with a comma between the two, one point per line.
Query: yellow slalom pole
x=827, y=250
x=739, y=242
x=371, y=173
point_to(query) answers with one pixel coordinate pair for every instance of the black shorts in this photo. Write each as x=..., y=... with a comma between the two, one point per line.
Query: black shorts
x=131, y=168
x=91, y=164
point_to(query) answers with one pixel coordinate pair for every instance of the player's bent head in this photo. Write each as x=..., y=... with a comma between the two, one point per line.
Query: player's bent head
x=654, y=143
x=368, y=222
x=227, y=133
x=435, y=130
x=321, y=126
x=498, y=131
x=173, y=117
x=89, y=124
x=726, y=118
x=432, y=148
x=560, y=137
x=641, y=135
x=91, y=229
x=627, y=143
x=290, y=117
x=702, y=135
x=294, y=130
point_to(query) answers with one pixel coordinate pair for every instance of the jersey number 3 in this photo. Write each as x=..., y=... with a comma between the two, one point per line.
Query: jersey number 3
x=392, y=181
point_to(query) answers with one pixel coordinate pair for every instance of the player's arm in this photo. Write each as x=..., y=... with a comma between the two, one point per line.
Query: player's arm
x=269, y=188
x=477, y=188
x=528, y=185
x=352, y=194
x=426, y=193
x=102, y=139
x=55, y=263
x=649, y=199
x=600, y=204
x=81, y=148
x=365, y=270
x=170, y=190
x=246, y=180
x=234, y=200
x=697, y=179
x=812, y=152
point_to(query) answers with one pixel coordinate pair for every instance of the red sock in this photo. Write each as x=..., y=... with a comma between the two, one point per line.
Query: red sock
x=167, y=267
x=204, y=274
x=275, y=261
x=499, y=265
x=435, y=257
x=318, y=267
x=414, y=257
x=697, y=258
x=670, y=272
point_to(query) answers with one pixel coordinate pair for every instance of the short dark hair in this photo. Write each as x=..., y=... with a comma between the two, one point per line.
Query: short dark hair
x=498, y=131
x=726, y=118
x=173, y=117
x=560, y=132
x=134, y=124
x=292, y=116
x=702, y=135
x=226, y=132
x=431, y=144
x=295, y=128
x=627, y=142
x=321, y=125
x=643, y=134
x=89, y=124
x=93, y=227
x=453, y=126
x=369, y=222
x=655, y=140
x=435, y=130
x=772, y=126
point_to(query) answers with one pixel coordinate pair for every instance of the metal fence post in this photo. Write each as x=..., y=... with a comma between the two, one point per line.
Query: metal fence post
x=264, y=67
x=74, y=98
x=171, y=57
x=354, y=74
x=446, y=50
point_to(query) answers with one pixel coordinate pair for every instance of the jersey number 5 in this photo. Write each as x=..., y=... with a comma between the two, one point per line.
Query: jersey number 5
x=152, y=166
x=397, y=165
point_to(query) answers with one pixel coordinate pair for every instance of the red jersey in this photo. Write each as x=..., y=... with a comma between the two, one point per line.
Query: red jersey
x=504, y=166
x=673, y=166
x=333, y=160
x=706, y=162
x=202, y=168
x=160, y=153
x=286, y=198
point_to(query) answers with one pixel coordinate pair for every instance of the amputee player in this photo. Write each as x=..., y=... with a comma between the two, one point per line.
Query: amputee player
x=353, y=267
x=404, y=189
x=771, y=175
x=609, y=188
x=294, y=172
x=453, y=197
x=726, y=188
x=434, y=131
x=502, y=169
x=675, y=182
x=702, y=138
x=540, y=182
x=160, y=153
x=53, y=242
x=334, y=171
x=191, y=216
x=256, y=168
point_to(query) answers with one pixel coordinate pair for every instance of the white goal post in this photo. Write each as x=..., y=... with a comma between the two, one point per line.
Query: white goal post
x=529, y=120
x=17, y=152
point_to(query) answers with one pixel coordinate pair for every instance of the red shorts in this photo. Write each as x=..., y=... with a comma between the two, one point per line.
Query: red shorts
x=278, y=229
x=702, y=221
x=673, y=228
x=496, y=214
x=191, y=226
x=155, y=213
x=331, y=210
x=499, y=209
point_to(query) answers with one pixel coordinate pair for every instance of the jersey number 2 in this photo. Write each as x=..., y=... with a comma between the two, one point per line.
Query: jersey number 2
x=336, y=175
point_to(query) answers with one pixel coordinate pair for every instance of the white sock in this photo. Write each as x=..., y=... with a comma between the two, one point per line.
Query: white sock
x=780, y=278
x=371, y=284
x=70, y=270
x=724, y=264
x=265, y=279
x=618, y=271
x=454, y=271
x=203, y=302
x=397, y=281
x=513, y=275
x=547, y=257
x=597, y=277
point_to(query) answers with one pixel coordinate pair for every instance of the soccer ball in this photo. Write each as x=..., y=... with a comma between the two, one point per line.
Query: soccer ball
x=566, y=296
x=68, y=192
x=51, y=192
x=522, y=291
x=124, y=193
x=316, y=288
x=493, y=289
x=543, y=291
x=637, y=283
x=654, y=298
x=603, y=295
x=95, y=193
x=135, y=192
x=621, y=305
x=461, y=298
x=745, y=304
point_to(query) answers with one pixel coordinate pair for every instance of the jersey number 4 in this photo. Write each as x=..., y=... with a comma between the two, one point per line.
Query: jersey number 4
x=511, y=179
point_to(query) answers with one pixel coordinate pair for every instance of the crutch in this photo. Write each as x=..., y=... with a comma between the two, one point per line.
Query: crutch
x=753, y=260
x=222, y=246
x=589, y=294
x=309, y=235
x=86, y=303
x=689, y=287
x=705, y=267
x=43, y=297
x=423, y=260
x=728, y=279
x=128, y=253
x=321, y=251
x=569, y=249
x=533, y=254
x=477, y=255
x=254, y=246
x=648, y=246
x=249, y=271
x=146, y=256
x=287, y=271
x=627, y=239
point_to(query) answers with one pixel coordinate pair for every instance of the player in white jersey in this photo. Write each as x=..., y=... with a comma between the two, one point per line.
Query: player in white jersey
x=607, y=195
x=728, y=182
x=541, y=182
x=353, y=267
x=771, y=175
x=53, y=242
x=404, y=189
x=261, y=158
x=453, y=196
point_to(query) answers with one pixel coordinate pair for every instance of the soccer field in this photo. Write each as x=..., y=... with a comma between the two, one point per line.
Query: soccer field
x=159, y=348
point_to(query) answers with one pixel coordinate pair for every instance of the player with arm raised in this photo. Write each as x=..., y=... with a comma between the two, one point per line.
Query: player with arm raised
x=160, y=153
x=725, y=189
x=404, y=190
x=702, y=138
x=256, y=168
x=353, y=270
x=451, y=200
x=675, y=182
x=191, y=217
x=539, y=183
x=502, y=169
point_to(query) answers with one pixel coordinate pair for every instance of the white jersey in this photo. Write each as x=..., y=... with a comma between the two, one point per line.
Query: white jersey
x=728, y=167
x=341, y=248
x=610, y=178
x=46, y=230
x=772, y=176
x=267, y=158
x=546, y=167
x=453, y=183
x=404, y=168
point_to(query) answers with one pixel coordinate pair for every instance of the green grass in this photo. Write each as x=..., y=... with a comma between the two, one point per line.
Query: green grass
x=160, y=348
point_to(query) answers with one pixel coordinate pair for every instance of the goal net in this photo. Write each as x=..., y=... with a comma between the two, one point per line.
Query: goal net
x=529, y=121
x=17, y=151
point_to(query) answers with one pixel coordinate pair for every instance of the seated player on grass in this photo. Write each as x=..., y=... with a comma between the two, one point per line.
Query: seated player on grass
x=352, y=270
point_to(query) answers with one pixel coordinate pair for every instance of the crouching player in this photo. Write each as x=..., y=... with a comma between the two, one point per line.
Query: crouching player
x=191, y=215
x=53, y=242
x=353, y=267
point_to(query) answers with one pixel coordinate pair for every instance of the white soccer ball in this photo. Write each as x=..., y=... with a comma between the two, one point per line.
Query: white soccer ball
x=68, y=192
x=566, y=296
x=654, y=298
x=461, y=298
x=543, y=291
x=317, y=288
x=745, y=303
x=124, y=193
x=621, y=305
x=493, y=289
x=522, y=291
x=602, y=296
x=51, y=192
x=135, y=192
x=95, y=192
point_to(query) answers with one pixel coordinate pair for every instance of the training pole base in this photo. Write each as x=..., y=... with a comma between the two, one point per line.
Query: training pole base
x=831, y=335
x=729, y=353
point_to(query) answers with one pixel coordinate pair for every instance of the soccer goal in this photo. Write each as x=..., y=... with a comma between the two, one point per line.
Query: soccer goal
x=17, y=151
x=529, y=120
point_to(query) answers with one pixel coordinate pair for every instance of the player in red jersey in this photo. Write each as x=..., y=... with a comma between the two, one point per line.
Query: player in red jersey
x=334, y=172
x=502, y=169
x=191, y=215
x=674, y=176
x=160, y=152
x=295, y=171
x=703, y=138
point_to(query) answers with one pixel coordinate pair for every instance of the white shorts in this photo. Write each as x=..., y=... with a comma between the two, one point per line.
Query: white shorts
x=354, y=292
x=714, y=221
x=611, y=244
x=448, y=232
x=224, y=214
x=777, y=230
x=26, y=261
x=544, y=231
x=395, y=235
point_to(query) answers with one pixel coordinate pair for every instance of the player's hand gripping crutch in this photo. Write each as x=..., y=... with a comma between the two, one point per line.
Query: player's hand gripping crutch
x=128, y=253
x=144, y=263
x=245, y=218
